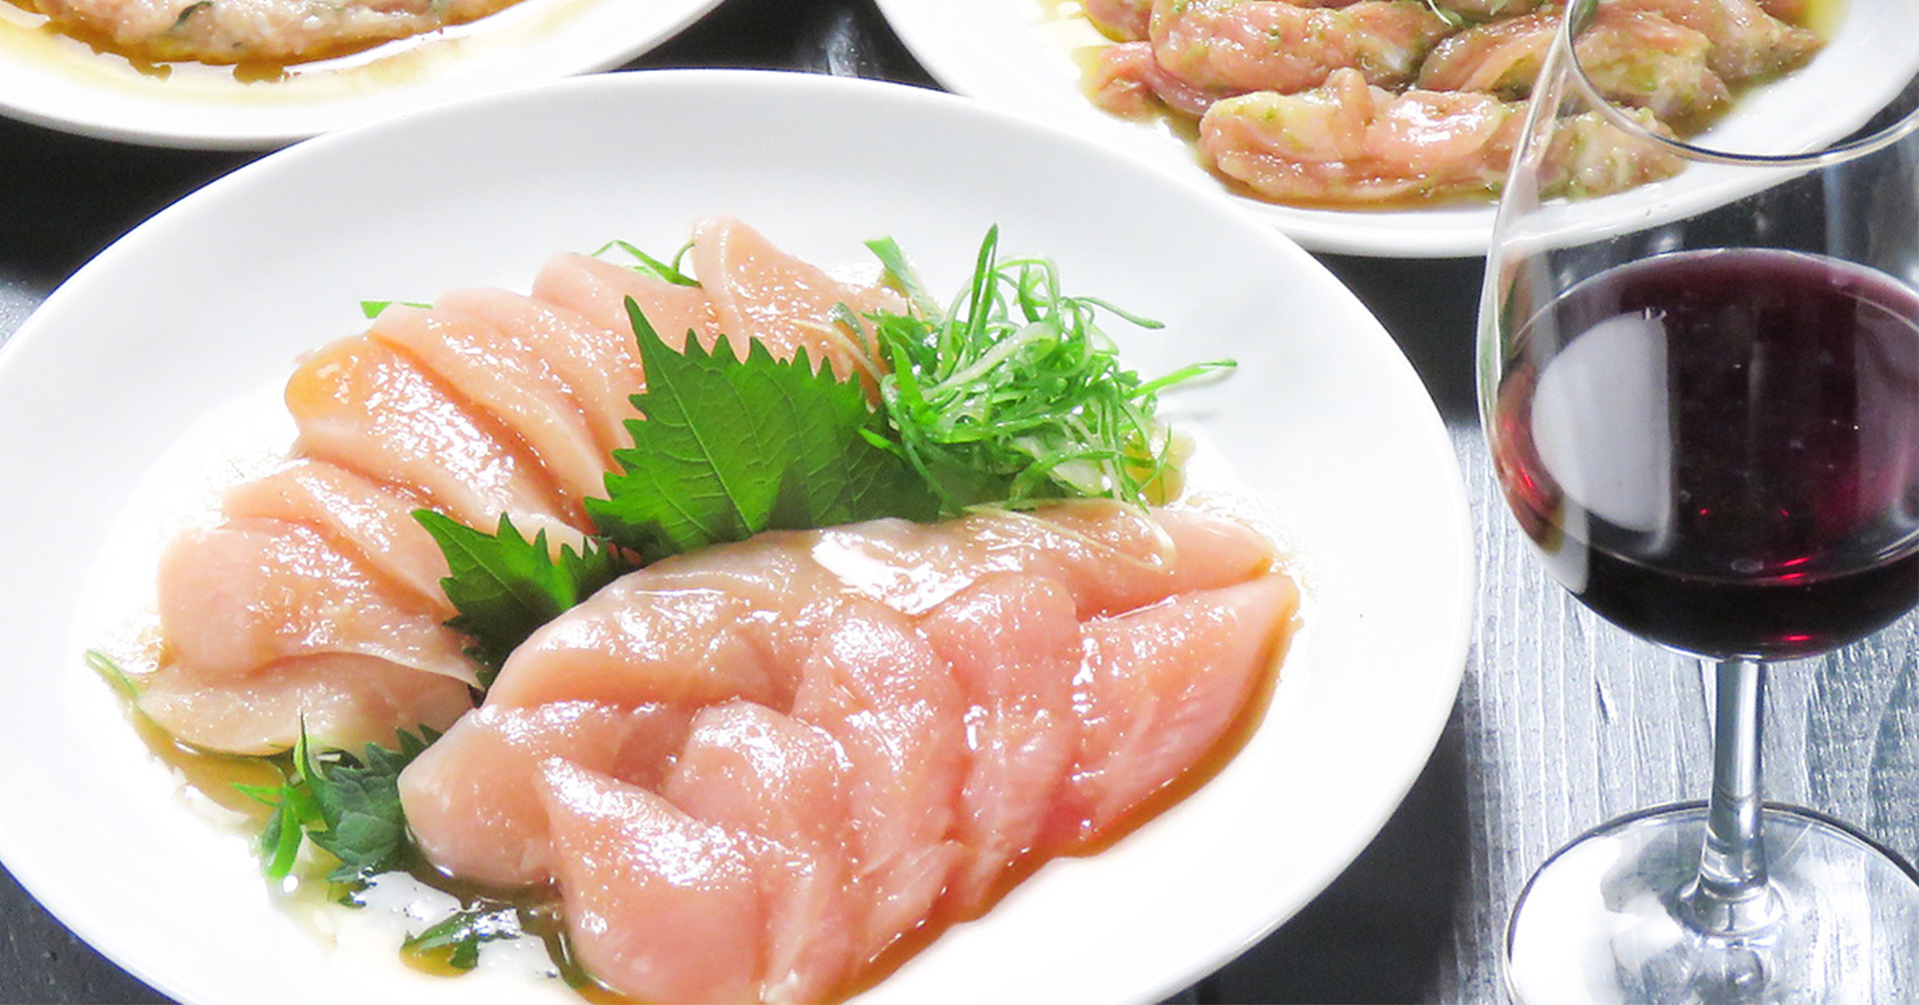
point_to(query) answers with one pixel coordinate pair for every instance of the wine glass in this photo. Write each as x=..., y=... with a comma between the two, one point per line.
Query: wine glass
x=1699, y=379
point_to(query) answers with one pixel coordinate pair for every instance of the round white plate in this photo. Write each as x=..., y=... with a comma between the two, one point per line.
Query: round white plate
x=1324, y=422
x=1026, y=57
x=53, y=80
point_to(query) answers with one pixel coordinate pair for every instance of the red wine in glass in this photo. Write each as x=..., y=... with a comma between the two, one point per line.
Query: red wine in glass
x=1720, y=450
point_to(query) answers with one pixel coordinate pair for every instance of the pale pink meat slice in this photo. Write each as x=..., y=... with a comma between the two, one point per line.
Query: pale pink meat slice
x=252, y=592
x=1013, y=643
x=1634, y=57
x=260, y=31
x=472, y=798
x=1488, y=10
x=601, y=365
x=659, y=906
x=1351, y=143
x=877, y=687
x=1122, y=20
x=1163, y=685
x=881, y=746
x=782, y=301
x=1128, y=80
x=722, y=623
x=598, y=291
x=735, y=621
x=366, y=407
x=343, y=700
x=1110, y=557
x=1275, y=45
x=752, y=770
x=508, y=380
x=373, y=521
x=1748, y=43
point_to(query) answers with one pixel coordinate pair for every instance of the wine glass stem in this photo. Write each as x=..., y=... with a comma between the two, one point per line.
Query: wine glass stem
x=1730, y=896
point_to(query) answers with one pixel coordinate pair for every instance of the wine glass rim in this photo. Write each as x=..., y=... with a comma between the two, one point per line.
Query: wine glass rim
x=1579, y=13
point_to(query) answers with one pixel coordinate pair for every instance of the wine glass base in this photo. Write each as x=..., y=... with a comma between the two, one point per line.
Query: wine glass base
x=1602, y=921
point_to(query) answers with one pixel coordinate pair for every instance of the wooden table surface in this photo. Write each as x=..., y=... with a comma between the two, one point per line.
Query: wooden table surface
x=1561, y=722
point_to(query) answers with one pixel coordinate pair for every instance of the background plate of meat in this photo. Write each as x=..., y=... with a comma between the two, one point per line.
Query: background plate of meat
x=1236, y=95
x=180, y=334
x=258, y=75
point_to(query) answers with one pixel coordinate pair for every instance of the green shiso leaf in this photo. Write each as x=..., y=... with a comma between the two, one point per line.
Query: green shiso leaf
x=505, y=586
x=730, y=447
x=346, y=806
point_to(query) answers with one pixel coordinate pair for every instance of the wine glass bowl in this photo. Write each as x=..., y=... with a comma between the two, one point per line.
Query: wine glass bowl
x=1704, y=414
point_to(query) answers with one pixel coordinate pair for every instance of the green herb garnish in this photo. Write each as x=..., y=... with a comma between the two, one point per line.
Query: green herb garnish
x=648, y=265
x=505, y=586
x=372, y=308
x=348, y=807
x=1015, y=395
x=731, y=447
x=456, y=941
x=110, y=671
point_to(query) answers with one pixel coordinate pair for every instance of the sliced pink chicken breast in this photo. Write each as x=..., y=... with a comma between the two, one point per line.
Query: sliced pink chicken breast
x=472, y=798
x=371, y=521
x=600, y=365
x=1161, y=686
x=752, y=770
x=659, y=906
x=879, y=690
x=343, y=700
x=368, y=408
x=598, y=290
x=784, y=302
x=509, y=381
x=1013, y=643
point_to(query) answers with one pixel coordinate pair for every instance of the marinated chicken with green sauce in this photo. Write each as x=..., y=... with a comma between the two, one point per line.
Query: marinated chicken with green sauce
x=1390, y=102
x=253, y=31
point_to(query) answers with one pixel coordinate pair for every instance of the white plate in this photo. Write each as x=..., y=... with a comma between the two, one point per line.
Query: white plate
x=56, y=81
x=1023, y=56
x=1324, y=420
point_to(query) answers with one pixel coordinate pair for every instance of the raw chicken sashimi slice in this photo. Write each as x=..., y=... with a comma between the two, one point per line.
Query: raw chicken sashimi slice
x=877, y=687
x=509, y=381
x=659, y=906
x=343, y=700
x=472, y=799
x=371, y=521
x=630, y=644
x=1161, y=686
x=252, y=592
x=598, y=291
x=1109, y=556
x=783, y=302
x=366, y=407
x=600, y=365
x=750, y=769
x=1013, y=643
x=735, y=621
